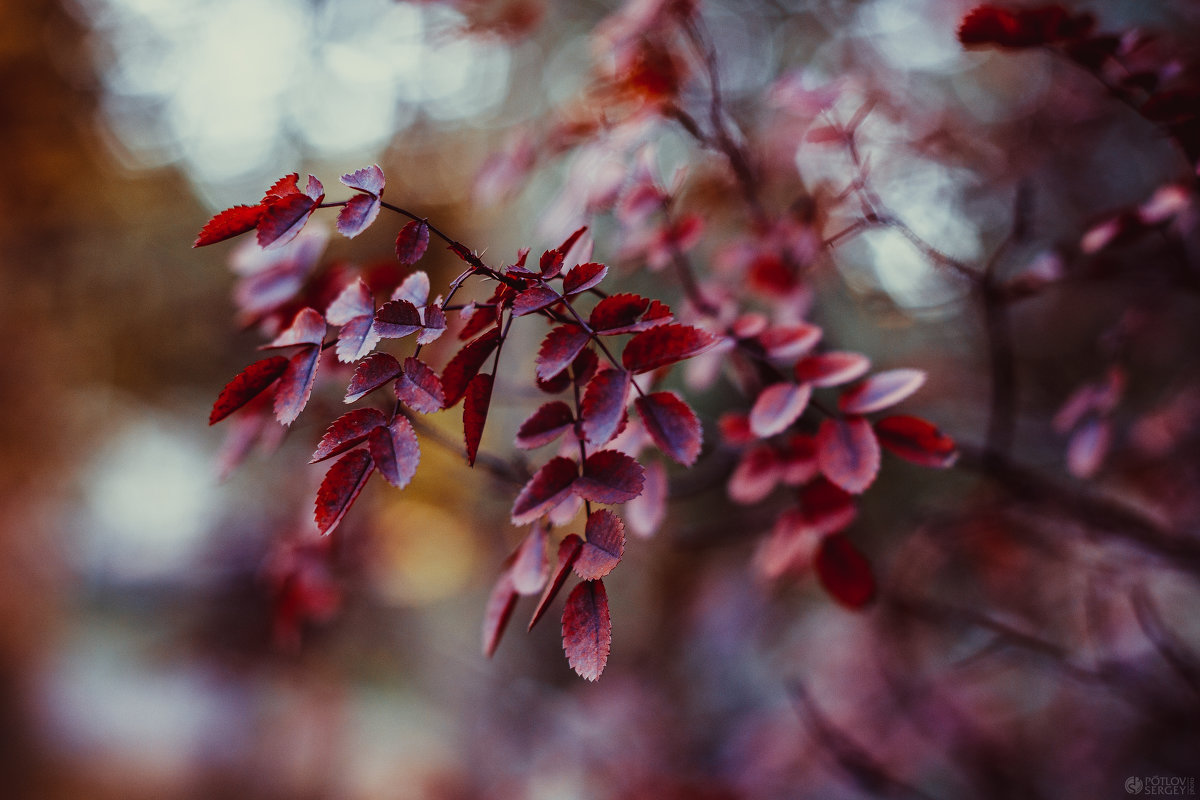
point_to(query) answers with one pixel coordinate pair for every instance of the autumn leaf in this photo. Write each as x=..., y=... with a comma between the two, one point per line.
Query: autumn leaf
x=245, y=386
x=610, y=476
x=544, y=425
x=395, y=451
x=466, y=365
x=549, y=486
x=530, y=569
x=368, y=179
x=844, y=572
x=229, y=223
x=916, y=440
x=848, y=452
x=587, y=629
x=419, y=387
x=370, y=374
x=777, y=407
x=663, y=345
x=672, y=425
x=603, y=545
x=307, y=328
x=412, y=242
x=831, y=369
x=347, y=431
x=341, y=486
x=583, y=277
x=475, y=411
x=627, y=313
x=534, y=299
x=559, y=349
x=881, y=390
x=604, y=404
x=283, y=218
x=396, y=319
x=568, y=550
x=296, y=384
x=498, y=611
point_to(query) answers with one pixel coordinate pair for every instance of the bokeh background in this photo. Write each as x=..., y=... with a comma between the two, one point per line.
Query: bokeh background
x=136, y=649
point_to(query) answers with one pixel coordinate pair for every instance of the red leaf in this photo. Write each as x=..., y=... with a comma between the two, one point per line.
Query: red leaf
x=844, y=572
x=790, y=546
x=282, y=187
x=604, y=404
x=546, y=489
x=587, y=629
x=346, y=431
x=375, y=371
x=307, y=328
x=530, y=569
x=790, y=341
x=916, y=440
x=283, y=218
x=496, y=615
x=480, y=318
x=345, y=479
x=831, y=369
x=610, y=476
x=434, y=320
x=550, y=264
x=827, y=508
x=799, y=459
x=672, y=425
x=419, y=387
x=603, y=546
x=545, y=425
x=357, y=215
x=356, y=339
x=534, y=299
x=735, y=428
x=568, y=551
x=644, y=513
x=466, y=365
x=245, y=386
x=296, y=383
x=881, y=390
x=583, y=277
x=368, y=179
x=395, y=451
x=664, y=345
x=559, y=349
x=229, y=223
x=475, y=411
x=569, y=242
x=1028, y=27
x=412, y=242
x=848, y=452
x=777, y=407
x=396, y=319
x=627, y=313
x=756, y=475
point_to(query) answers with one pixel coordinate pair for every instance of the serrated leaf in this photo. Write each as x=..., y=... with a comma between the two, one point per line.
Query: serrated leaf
x=314, y=189
x=672, y=425
x=848, y=452
x=466, y=365
x=229, y=223
x=916, y=440
x=412, y=242
x=583, y=277
x=568, y=550
x=396, y=319
x=832, y=368
x=434, y=320
x=881, y=390
x=357, y=215
x=545, y=425
x=307, y=328
x=777, y=407
x=844, y=572
x=296, y=383
x=549, y=265
x=603, y=405
x=549, y=486
x=283, y=218
x=347, y=431
x=419, y=387
x=245, y=386
x=627, y=313
x=395, y=451
x=498, y=611
x=534, y=299
x=286, y=185
x=475, y=411
x=559, y=349
x=663, y=345
x=530, y=569
x=356, y=339
x=368, y=179
x=603, y=545
x=610, y=476
x=587, y=629
x=375, y=371
x=341, y=486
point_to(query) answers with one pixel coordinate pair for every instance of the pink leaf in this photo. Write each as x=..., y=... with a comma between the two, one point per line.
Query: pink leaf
x=396, y=319
x=307, y=328
x=296, y=383
x=229, y=223
x=375, y=371
x=603, y=545
x=848, y=452
x=247, y=385
x=475, y=411
x=368, y=179
x=546, y=489
x=672, y=425
x=356, y=339
x=414, y=289
x=627, y=313
x=827, y=508
x=777, y=407
x=534, y=299
x=583, y=277
x=663, y=345
x=831, y=369
x=845, y=572
x=498, y=611
x=916, y=440
x=412, y=242
x=545, y=425
x=357, y=215
x=756, y=475
x=568, y=551
x=395, y=451
x=644, y=513
x=604, y=404
x=353, y=301
x=799, y=459
x=1088, y=447
x=587, y=629
x=419, y=387
x=790, y=546
x=610, y=476
x=790, y=341
x=880, y=391
x=346, y=431
x=530, y=569
x=559, y=349
x=342, y=484
x=466, y=365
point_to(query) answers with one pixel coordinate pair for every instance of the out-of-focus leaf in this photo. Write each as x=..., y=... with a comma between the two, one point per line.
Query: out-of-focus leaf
x=832, y=368
x=848, y=452
x=530, y=569
x=916, y=440
x=845, y=572
x=881, y=390
x=568, y=550
x=789, y=341
x=498, y=611
x=603, y=545
x=777, y=407
x=644, y=513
